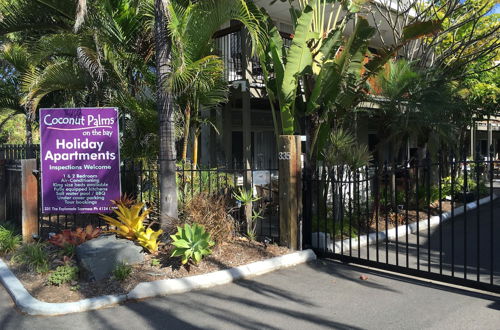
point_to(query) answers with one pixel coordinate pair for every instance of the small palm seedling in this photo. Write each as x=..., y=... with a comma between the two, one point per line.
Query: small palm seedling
x=192, y=243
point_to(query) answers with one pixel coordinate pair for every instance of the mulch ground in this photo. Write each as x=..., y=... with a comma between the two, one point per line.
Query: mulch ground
x=227, y=255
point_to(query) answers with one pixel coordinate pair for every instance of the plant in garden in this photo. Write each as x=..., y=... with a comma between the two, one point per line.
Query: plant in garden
x=9, y=241
x=63, y=274
x=76, y=237
x=322, y=76
x=252, y=228
x=155, y=262
x=191, y=243
x=246, y=198
x=122, y=272
x=129, y=223
x=33, y=256
x=212, y=212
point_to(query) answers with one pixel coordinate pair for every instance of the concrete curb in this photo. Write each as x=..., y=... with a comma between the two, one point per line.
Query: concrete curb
x=29, y=305
x=400, y=231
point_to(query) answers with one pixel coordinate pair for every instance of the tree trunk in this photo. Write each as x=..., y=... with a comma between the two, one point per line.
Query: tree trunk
x=29, y=133
x=186, y=132
x=164, y=104
x=195, y=146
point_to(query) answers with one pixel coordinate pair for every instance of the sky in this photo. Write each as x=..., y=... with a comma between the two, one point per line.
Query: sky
x=496, y=9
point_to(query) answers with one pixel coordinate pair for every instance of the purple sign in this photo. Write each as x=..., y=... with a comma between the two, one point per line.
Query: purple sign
x=80, y=158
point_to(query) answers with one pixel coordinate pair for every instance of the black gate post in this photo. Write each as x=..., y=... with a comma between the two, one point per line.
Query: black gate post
x=307, y=206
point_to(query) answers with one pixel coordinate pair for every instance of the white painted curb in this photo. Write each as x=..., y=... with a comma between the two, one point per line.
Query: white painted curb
x=27, y=304
x=401, y=230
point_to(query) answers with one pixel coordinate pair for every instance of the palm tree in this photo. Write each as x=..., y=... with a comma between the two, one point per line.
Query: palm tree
x=197, y=79
x=208, y=16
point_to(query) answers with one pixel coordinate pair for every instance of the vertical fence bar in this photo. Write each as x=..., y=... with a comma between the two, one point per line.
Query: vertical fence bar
x=367, y=188
x=428, y=179
x=465, y=214
x=407, y=206
x=477, y=214
x=492, y=172
x=394, y=196
x=440, y=201
x=386, y=211
x=417, y=203
x=453, y=173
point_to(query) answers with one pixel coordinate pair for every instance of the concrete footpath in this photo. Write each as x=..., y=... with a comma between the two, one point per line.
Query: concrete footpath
x=317, y=295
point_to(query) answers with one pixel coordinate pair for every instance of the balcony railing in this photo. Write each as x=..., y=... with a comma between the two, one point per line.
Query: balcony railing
x=230, y=46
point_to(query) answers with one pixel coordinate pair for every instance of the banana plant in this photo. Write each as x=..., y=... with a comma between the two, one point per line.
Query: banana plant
x=323, y=75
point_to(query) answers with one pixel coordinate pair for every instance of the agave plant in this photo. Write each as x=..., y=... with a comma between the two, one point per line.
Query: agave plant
x=191, y=243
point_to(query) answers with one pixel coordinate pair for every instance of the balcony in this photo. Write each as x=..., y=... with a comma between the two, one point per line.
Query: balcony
x=233, y=46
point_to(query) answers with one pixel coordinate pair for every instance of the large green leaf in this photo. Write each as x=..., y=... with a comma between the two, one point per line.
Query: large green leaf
x=298, y=60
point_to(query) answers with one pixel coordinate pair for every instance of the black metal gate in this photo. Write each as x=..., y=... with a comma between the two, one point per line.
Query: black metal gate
x=438, y=219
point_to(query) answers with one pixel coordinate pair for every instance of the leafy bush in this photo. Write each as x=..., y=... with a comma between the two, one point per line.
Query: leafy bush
x=191, y=243
x=9, y=241
x=75, y=237
x=33, y=256
x=212, y=212
x=122, y=272
x=459, y=186
x=129, y=223
x=63, y=274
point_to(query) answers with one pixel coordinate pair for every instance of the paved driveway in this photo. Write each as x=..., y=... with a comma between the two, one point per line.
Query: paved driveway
x=318, y=295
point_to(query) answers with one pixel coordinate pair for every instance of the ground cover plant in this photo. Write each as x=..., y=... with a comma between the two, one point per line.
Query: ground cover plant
x=63, y=274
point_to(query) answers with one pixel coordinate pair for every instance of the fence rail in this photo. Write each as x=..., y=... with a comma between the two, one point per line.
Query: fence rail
x=435, y=219
x=19, y=151
x=140, y=180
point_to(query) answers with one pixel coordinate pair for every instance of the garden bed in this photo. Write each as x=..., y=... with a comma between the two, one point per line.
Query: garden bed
x=227, y=255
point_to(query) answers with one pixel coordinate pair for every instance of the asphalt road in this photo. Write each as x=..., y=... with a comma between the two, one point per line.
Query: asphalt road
x=463, y=243
x=318, y=295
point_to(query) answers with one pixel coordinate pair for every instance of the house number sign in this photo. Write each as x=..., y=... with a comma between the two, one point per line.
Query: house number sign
x=284, y=155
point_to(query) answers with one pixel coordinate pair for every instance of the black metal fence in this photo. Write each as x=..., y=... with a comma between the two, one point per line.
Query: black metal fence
x=13, y=191
x=438, y=219
x=19, y=151
x=140, y=180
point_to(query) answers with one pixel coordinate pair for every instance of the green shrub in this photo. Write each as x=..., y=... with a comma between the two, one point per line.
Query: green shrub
x=459, y=186
x=191, y=243
x=63, y=274
x=155, y=262
x=33, y=256
x=9, y=241
x=122, y=272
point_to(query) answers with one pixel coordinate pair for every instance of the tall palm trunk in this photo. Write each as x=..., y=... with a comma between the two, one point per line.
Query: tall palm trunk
x=164, y=103
x=196, y=143
x=29, y=133
x=187, y=121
